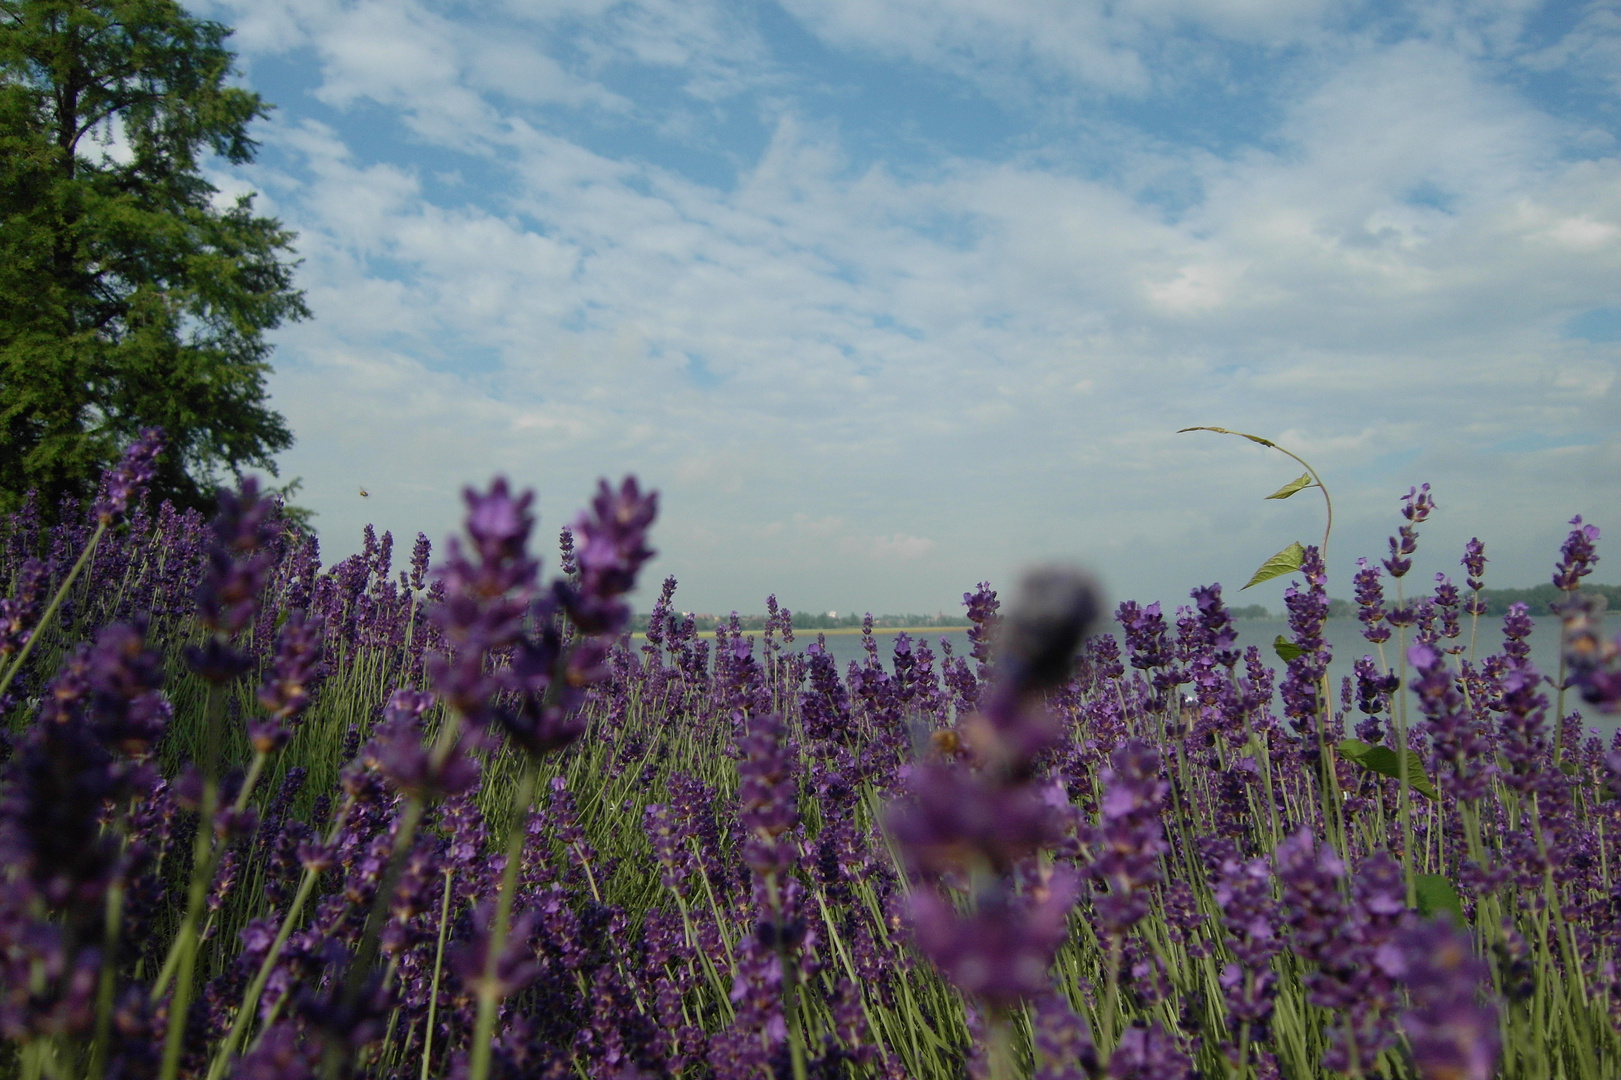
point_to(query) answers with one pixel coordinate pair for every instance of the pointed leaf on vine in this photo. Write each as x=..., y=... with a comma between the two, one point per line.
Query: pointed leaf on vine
x=1284, y=562
x=1382, y=760
x=1299, y=483
x=1230, y=431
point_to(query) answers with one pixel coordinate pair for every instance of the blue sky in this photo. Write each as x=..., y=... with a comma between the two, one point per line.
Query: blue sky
x=891, y=297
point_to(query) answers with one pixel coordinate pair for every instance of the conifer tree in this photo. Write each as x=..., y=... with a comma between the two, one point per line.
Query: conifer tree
x=131, y=293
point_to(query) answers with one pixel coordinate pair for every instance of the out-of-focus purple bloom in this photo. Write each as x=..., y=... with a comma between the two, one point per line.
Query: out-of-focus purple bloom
x=611, y=546
x=955, y=822
x=1002, y=951
x=1577, y=555
x=1063, y=1041
x=286, y=692
x=126, y=482
x=1594, y=663
x=1244, y=894
x=20, y=611
x=515, y=968
x=1452, y=1032
x=1055, y=607
x=239, y=563
x=397, y=750
x=1148, y=1052
x=124, y=677
x=484, y=601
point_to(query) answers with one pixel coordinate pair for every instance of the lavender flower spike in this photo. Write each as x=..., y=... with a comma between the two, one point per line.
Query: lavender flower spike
x=1578, y=554
x=1453, y=1034
x=126, y=481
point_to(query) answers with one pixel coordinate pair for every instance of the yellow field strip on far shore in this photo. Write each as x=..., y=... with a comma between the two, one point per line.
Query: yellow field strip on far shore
x=845, y=630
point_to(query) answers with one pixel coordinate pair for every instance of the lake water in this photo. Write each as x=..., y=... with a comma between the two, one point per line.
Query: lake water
x=1344, y=638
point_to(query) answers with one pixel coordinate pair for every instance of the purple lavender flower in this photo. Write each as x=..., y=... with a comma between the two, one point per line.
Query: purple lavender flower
x=1308, y=610
x=1458, y=750
x=565, y=551
x=1474, y=566
x=1446, y=605
x=1577, y=555
x=1148, y=1052
x=1517, y=627
x=1001, y=952
x=126, y=482
x=1130, y=837
x=485, y=601
x=1055, y=608
x=1370, y=599
x=1373, y=687
x=296, y=667
x=1145, y=635
x=1063, y=1041
x=1453, y=1034
x=397, y=751
x=20, y=611
x=611, y=544
x=1220, y=634
x=421, y=552
x=767, y=795
x=1593, y=662
x=239, y=563
x=1244, y=894
x=1416, y=507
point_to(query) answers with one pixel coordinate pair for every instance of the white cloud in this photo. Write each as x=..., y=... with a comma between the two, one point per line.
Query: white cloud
x=876, y=385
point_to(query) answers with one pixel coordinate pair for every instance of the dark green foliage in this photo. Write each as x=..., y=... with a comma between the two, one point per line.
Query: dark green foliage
x=1538, y=598
x=128, y=297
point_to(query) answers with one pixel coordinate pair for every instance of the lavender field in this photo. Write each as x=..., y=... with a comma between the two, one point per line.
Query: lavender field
x=267, y=819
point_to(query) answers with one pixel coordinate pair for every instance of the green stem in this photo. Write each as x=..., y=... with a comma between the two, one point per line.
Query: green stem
x=1001, y=1047
x=438, y=965
x=184, y=951
x=489, y=990
x=250, y=1000
x=50, y=611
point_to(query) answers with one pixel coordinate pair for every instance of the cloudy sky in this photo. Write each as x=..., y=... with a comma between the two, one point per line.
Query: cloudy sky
x=890, y=296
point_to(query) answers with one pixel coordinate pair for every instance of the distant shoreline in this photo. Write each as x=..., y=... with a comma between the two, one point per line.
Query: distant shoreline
x=840, y=630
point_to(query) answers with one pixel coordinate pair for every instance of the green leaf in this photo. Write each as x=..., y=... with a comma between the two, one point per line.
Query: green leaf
x=1299, y=483
x=1229, y=431
x=1286, y=649
x=1284, y=562
x=1382, y=760
x=1435, y=894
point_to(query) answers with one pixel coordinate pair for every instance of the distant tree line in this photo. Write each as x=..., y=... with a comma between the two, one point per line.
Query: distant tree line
x=1537, y=599
x=819, y=621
